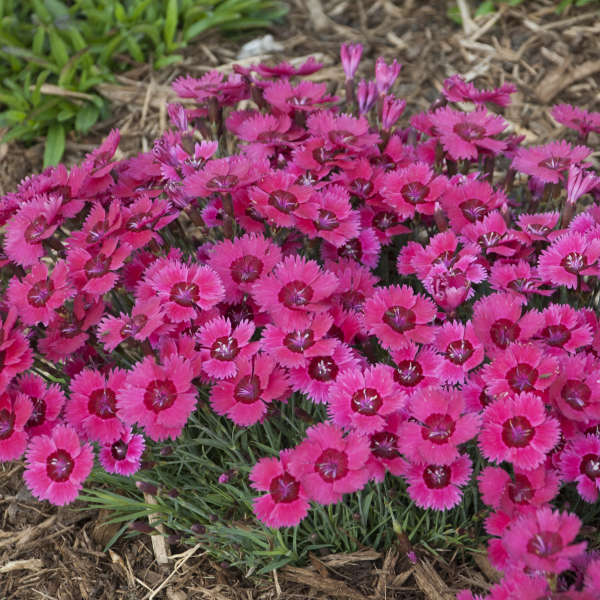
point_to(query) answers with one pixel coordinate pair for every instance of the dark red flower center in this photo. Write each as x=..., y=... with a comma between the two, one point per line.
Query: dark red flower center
x=504, y=332
x=323, y=368
x=185, y=294
x=7, y=423
x=573, y=263
x=409, y=373
x=438, y=428
x=485, y=399
x=326, y=220
x=59, y=465
x=295, y=294
x=361, y=187
x=384, y=220
x=283, y=201
x=590, y=466
x=520, y=490
x=246, y=269
x=223, y=182
x=545, y=543
x=384, y=444
x=400, y=319
x=489, y=239
x=97, y=232
x=39, y=293
x=414, y=192
x=517, y=432
x=332, y=465
x=473, y=210
x=284, y=489
x=522, y=378
x=556, y=335
x=341, y=137
x=366, y=402
x=97, y=266
x=38, y=414
x=103, y=403
x=239, y=312
x=322, y=155
x=469, y=131
x=225, y=348
x=134, y=326
x=556, y=163
x=437, y=477
x=137, y=222
x=119, y=450
x=247, y=390
x=576, y=394
x=70, y=329
x=538, y=229
x=36, y=229
x=352, y=300
x=299, y=341
x=459, y=352
x=351, y=249
x=160, y=395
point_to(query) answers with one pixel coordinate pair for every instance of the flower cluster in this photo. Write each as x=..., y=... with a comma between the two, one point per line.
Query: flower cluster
x=429, y=280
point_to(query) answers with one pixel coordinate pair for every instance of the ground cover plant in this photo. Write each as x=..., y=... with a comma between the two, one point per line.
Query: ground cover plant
x=354, y=324
x=53, y=54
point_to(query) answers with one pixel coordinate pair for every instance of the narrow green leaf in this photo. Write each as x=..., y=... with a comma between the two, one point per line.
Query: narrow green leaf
x=58, y=48
x=120, y=13
x=170, y=24
x=55, y=145
x=165, y=61
x=86, y=117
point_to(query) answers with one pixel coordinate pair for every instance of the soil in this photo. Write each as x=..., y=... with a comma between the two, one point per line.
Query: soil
x=57, y=554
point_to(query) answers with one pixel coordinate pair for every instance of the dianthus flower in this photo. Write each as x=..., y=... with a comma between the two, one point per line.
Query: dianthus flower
x=580, y=462
x=465, y=135
x=143, y=218
x=543, y=541
x=494, y=237
x=540, y=225
x=15, y=410
x=296, y=288
x=517, y=429
x=569, y=258
x=549, y=162
x=364, y=249
x=396, y=315
x=350, y=55
x=456, y=89
x=385, y=75
x=385, y=452
x=470, y=202
x=285, y=69
x=450, y=286
x=579, y=183
x=520, y=279
x=416, y=367
x=92, y=407
x=361, y=399
x=56, y=465
x=329, y=465
x=580, y=120
x=47, y=403
x=437, y=486
x=437, y=426
x=17, y=355
x=305, y=96
x=99, y=226
x=244, y=398
x=460, y=348
x=160, y=398
x=356, y=284
x=123, y=456
x=474, y=392
x=286, y=502
x=562, y=330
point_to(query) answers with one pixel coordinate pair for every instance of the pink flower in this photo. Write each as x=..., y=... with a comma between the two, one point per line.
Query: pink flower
x=14, y=413
x=56, y=465
x=15, y=351
x=296, y=288
x=456, y=89
x=562, y=329
x=37, y=296
x=385, y=75
x=361, y=399
x=244, y=398
x=436, y=426
x=549, y=162
x=47, y=403
x=124, y=455
x=570, y=257
x=350, y=55
x=329, y=465
x=306, y=96
x=364, y=249
x=580, y=120
x=223, y=344
x=517, y=429
x=470, y=202
x=286, y=502
x=580, y=462
x=285, y=69
x=460, y=348
x=158, y=397
x=185, y=288
x=540, y=225
x=92, y=407
x=396, y=315
x=542, y=541
x=385, y=452
x=366, y=96
x=416, y=367
x=579, y=184
x=520, y=279
x=437, y=486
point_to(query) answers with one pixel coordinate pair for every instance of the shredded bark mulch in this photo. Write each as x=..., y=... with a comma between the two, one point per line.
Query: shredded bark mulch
x=57, y=554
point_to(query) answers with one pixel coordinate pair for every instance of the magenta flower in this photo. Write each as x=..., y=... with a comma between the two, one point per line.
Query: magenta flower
x=460, y=348
x=296, y=288
x=124, y=455
x=543, y=541
x=437, y=426
x=285, y=69
x=549, y=162
x=570, y=257
x=56, y=465
x=562, y=329
x=540, y=225
x=520, y=279
x=356, y=284
x=456, y=89
x=47, y=403
x=437, y=486
x=244, y=398
x=366, y=96
x=92, y=407
x=580, y=120
x=350, y=55
x=385, y=75
x=329, y=465
x=385, y=451
x=306, y=96
x=17, y=355
x=580, y=462
x=416, y=367
x=364, y=249
x=361, y=399
x=470, y=202
x=579, y=183
x=223, y=344
x=286, y=502
x=396, y=315
x=15, y=411
x=158, y=397
x=517, y=429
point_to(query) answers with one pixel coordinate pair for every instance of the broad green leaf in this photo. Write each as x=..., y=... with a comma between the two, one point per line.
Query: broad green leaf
x=134, y=49
x=38, y=41
x=485, y=8
x=165, y=61
x=55, y=145
x=170, y=24
x=36, y=95
x=120, y=13
x=58, y=48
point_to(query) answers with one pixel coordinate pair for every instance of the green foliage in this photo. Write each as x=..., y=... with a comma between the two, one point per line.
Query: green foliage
x=54, y=52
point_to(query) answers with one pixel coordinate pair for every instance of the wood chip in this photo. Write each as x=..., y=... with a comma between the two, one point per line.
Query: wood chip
x=339, y=560
x=481, y=560
x=317, y=15
x=430, y=583
x=561, y=78
x=30, y=564
x=310, y=578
